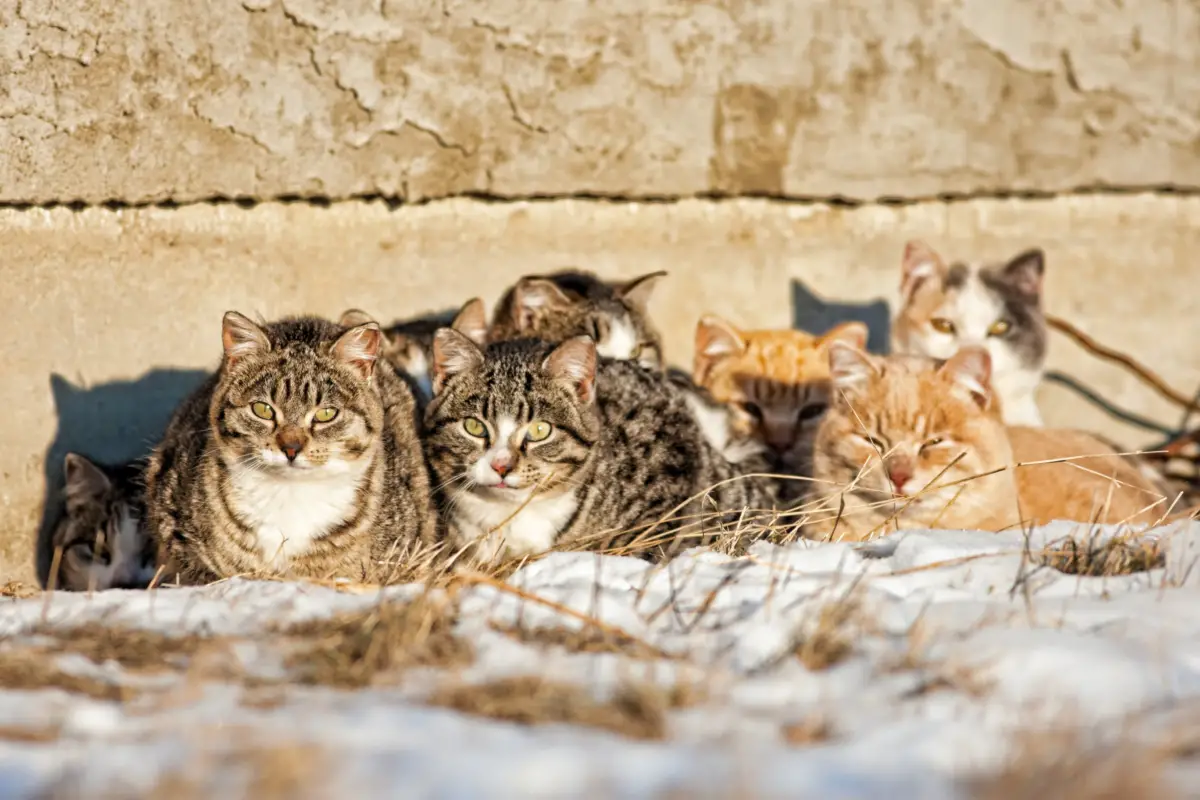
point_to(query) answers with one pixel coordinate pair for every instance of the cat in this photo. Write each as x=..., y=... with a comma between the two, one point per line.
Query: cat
x=776, y=383
x=999, y=307
x=299, y=457
x=100, y=539
x=571, y=303
x=534, y=445
x=408, y=344
x=948, y=460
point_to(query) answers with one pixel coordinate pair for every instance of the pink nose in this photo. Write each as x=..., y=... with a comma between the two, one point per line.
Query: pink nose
x=899, y=474
x=502, y=466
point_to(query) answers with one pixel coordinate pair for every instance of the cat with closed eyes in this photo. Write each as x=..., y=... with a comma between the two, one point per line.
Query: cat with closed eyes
x=534, y=445
x=570, y=303
x=299, y=457
x=997, y=306
x=100, y=539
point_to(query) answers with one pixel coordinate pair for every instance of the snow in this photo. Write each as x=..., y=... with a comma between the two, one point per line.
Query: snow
x=959, y=645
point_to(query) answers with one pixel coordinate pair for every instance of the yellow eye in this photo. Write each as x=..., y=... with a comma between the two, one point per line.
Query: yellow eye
x=262, y=410
x=326, y=415
x=474, y=427
x=538, y=431
x=999, y=327
x=941, y=325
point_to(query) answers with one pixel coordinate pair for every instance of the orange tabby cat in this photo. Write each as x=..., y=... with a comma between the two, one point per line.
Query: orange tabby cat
x=775, y=381
x=911, y=443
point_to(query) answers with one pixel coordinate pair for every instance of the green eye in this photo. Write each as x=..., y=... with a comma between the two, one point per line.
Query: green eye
x=942, y=325
x=474, y=427
x=262, y=410
x=538, y=431
x=325, y=415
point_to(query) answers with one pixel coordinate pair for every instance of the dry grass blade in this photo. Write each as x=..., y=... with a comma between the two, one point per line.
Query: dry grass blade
x=831, y=639
x=588, y=639
x=132, y=648
x=18, y=591
x=813, y=730
x=637, y=710
x=33, y=669
x=360, y=648
x=1117, y=556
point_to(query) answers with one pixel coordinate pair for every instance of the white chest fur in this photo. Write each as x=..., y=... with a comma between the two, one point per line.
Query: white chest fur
x=288, y=512
x=498, y=524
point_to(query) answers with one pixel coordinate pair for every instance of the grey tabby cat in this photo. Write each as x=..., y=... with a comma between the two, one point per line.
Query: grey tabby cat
x=408, y=344
x=299, y=457
x=101, y=541
x=998, y=306
x=534, y=445
x=570, y=303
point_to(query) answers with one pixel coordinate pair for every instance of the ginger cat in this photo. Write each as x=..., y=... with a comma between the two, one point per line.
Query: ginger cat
x=776, y=382
x=911, y=443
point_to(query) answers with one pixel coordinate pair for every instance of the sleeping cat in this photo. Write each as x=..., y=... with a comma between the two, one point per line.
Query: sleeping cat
x=408, y=344
x=299, y=457
x=998, y=307
x=910, y=442
x=776, y=383
x=556, y=307
x=534, y=445
x=101, y=539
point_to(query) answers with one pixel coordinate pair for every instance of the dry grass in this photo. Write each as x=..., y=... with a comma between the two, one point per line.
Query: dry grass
x=810, y=731
x=133, y=648
x=637, y=710
x=1123, y=555
x=831, y=639
x=1061, y=764
x=362, y=648
x=31, y=669
x=18, y=590
x=588, y=639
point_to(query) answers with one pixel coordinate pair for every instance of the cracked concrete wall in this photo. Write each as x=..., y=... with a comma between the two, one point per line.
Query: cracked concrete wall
x=148, y=101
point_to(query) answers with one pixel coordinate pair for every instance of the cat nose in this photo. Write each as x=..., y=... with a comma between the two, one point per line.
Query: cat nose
x=291, y=441
x=899, y=474
x=502, y=465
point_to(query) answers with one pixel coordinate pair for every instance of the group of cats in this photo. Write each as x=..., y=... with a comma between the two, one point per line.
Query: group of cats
x=338, y=449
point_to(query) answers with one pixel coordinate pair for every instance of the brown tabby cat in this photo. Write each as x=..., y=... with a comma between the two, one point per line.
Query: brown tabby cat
x=102, y=540
x=775, y=381
x=914, y=443
x=571, y=303
x=299, y=457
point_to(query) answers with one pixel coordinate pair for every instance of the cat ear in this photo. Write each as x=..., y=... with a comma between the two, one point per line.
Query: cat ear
x=921, y=262
x=241, y=337
x=852, y=333
x=716, y=340
x=533, y=298
x=83, y=479
x=1025, y=272
x=354, y=317
x=453, y=354
x=359, y=347
x=574, y=363
x=970, y=369
x=850, y=368
x=637, y=291
x=471, y=321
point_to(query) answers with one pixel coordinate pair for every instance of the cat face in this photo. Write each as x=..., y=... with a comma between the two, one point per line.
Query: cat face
x=776, y=382
x=903, y=433
x=295, y=398
x=557, y=307
x=101, y=538
x=997, y=307
x=519, y=415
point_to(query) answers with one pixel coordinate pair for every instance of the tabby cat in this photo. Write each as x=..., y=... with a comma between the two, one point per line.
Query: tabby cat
x=556, y=307
x=914, y=443
x=100, y=538
x=775, y=381
x=998, y=307
x=534, y=445
x=300, y=456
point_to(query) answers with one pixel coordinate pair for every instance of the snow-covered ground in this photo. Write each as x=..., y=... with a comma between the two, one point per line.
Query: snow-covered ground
x=959, y=646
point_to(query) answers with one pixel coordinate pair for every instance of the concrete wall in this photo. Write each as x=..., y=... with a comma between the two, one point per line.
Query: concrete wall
x=112, y=312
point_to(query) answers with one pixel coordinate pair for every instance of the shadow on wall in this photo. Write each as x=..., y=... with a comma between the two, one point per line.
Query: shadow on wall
x=110, y=423
x=814, y=314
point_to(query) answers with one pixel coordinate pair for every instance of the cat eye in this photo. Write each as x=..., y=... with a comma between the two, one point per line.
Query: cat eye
x=871, y=440
x=326, y=415
x=942, y=325
x=474, y=427
x=538, y=431
x=934, y=442
x=753, y=410
x=83, y=550
x=812, y=411
x=1000, y=327
x=262, y=410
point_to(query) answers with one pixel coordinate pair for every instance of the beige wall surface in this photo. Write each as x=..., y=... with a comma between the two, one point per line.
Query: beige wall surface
x=167, y=99
x=112, y=316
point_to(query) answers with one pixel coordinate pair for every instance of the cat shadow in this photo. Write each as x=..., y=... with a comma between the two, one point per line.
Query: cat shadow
x=1092, y=397
x=815, y=314
x=110, y=423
